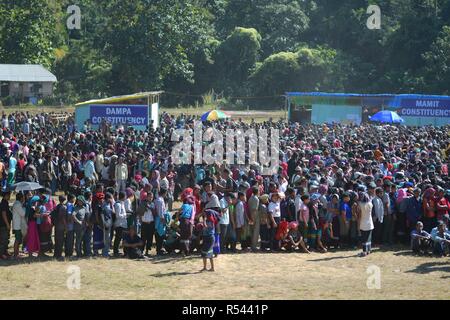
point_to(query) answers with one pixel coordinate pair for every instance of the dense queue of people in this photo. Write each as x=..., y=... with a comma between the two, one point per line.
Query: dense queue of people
x=113, y=190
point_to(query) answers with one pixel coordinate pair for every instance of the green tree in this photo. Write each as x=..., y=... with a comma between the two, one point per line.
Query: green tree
x=235, y=60
x=281, y=23
x=437, y=64
x=27, y=32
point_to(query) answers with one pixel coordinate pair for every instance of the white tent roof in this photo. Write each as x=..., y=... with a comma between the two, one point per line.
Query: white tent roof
x=25, y=73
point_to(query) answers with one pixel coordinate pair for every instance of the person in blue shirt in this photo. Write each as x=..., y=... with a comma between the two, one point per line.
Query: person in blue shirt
x=345, y=217
x=413, y=209
x=441, y=240
x=69, y=241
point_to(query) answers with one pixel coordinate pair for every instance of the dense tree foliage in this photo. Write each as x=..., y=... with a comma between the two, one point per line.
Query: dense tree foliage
x=258, y=48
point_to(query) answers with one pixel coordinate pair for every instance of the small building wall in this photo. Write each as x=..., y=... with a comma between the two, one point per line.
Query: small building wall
x=324, y=113
x=25, y=89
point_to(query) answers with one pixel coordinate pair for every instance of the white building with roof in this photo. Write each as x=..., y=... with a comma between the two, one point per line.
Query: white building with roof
x=25, y=81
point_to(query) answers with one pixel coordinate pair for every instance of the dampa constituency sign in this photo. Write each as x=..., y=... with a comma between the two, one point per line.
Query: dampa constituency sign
x=425, y=108
x=132, y=115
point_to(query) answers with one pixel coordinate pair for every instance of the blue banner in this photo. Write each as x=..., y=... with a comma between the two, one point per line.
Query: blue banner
x=116, y=114
x=426, y=106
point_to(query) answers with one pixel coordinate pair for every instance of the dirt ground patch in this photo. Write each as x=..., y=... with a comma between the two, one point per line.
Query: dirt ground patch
x=338, y=275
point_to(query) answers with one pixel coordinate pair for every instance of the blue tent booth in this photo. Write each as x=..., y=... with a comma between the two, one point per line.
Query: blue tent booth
x=321, y=107
x=136, y=110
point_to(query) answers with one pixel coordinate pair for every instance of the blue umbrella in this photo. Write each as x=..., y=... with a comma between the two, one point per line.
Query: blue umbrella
x=386, y=117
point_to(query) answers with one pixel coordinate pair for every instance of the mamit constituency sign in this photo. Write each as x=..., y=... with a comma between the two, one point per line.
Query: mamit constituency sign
x=425, y=108
x=116, y=114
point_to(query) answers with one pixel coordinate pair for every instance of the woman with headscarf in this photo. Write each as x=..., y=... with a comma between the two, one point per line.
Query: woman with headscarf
x=186, y=213
x=97, y=229
x=353, y=223
x=45, y=227
x=33, y=214
x=366, y=225
x=210, y=220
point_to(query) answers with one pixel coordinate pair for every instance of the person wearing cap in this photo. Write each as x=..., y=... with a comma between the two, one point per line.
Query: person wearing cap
x=79, y=225
x=441, y=240
x=420, y=240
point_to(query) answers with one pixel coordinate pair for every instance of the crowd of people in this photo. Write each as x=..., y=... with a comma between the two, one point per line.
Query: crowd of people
x=116, y=190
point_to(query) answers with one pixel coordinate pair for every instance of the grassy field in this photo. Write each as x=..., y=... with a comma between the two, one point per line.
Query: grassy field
x=339, y=275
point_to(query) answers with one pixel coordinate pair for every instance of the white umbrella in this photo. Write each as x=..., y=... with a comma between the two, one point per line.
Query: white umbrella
x=27, y=186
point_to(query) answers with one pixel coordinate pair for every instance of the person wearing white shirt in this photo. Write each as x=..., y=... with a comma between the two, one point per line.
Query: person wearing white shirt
x=366, y=224
x=224, y=221
x=121, y=222
x=146, y=212
x=274, y=211
x=121, y=174
x=19, y=222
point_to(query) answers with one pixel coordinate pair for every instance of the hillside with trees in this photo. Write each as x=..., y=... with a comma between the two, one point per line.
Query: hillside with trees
x=248, y=51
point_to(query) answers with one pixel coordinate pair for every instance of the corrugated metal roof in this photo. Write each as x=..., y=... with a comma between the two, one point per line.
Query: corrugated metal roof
x=135, y=96
x=25, y=73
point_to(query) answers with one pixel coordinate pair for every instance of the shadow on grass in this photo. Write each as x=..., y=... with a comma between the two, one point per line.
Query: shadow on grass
x=334, y=258
x=173, y=274
x=428, y=267
x=31, y=260
x=172, y=258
